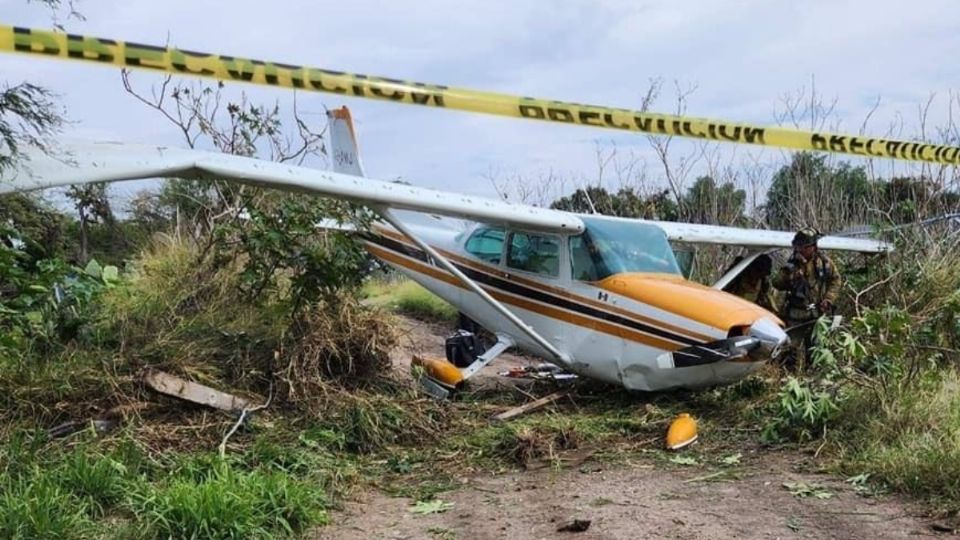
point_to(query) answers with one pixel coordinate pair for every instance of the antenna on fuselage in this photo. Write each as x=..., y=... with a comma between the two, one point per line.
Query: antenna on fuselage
x=586, y=193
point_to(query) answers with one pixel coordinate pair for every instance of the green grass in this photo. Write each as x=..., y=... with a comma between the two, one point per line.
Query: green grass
x=229, y=503
x=281, y=481
x=36, y=506
x=409, y=298
x=908, y=441
x=100, y=481
x=102, y=489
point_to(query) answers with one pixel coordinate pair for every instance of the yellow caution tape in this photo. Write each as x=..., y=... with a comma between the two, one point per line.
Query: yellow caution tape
x=229, y=68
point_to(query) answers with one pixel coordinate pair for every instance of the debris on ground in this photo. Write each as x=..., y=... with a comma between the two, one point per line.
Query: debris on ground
x=941, y=527
x=528, y=407
x=104, y=423
x=577, y=525
x=69, y=428
x=540, y=371
x=732, y=459
x=803, y=490
x=174, y=386
x=435, y=506
x=684, y=460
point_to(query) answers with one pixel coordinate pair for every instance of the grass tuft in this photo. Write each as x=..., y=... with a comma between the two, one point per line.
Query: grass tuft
x=36, y=506
x=230, y=503
x=98, y=480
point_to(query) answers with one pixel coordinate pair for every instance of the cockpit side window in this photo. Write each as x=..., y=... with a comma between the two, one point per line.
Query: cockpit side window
x=486, y=244
x=534, y=253
x=585, y=264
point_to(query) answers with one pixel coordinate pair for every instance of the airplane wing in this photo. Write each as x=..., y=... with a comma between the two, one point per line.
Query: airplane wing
x=756, y=238
x=346, y=159
x=112, y=162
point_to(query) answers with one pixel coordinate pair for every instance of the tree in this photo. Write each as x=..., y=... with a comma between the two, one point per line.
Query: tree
x=272, y=232
x=28, y=113
x=705, y=202
x=625, y=203
x=39, y=227
x=27, y=116
x=93, y=206
x=810, y=191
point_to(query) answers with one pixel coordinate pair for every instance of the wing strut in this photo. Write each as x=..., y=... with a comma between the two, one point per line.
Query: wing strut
x=561, y=358
x=736, y=271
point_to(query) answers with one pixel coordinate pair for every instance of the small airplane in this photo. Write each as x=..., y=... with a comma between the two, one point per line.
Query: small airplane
x=598, y=296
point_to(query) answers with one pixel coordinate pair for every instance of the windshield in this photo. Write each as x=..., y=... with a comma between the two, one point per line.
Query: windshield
x=610, y=247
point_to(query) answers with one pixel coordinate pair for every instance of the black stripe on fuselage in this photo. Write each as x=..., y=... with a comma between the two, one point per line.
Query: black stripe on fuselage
x=531, y=293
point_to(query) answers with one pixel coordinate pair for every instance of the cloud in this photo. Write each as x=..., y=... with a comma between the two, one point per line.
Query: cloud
x=742, y=56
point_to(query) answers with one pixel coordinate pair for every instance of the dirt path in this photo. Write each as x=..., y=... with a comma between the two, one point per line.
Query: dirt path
x=639, y=501
x=646, y=499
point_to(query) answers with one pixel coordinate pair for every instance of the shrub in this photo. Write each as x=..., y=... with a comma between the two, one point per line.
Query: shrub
x=800, y=412
x=341, y=341
x=909, y=440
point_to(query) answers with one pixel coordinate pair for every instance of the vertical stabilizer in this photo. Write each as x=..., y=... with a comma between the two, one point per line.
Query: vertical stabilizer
x=343, y=142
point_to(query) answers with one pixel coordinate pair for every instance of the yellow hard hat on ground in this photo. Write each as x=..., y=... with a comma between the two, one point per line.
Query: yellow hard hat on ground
x=682, y=432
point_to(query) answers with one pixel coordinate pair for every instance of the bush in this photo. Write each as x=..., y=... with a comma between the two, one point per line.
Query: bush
x=339, y=341
x=177, y=314
x=799, y=413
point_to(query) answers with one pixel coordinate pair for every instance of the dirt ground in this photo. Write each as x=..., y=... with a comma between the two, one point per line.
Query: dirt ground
x=638, y=501
x=427, y=339
x=648, y=498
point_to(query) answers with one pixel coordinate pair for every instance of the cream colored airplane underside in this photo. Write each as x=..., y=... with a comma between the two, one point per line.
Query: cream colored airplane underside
x=601, y=297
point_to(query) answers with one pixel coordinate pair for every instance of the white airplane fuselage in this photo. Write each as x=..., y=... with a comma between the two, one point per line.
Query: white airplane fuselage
x=642, y=331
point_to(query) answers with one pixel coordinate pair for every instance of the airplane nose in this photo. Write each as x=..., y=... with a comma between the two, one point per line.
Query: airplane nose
x=772, y=338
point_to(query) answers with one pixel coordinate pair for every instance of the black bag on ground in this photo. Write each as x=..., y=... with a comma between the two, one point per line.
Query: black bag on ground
x=463, y=348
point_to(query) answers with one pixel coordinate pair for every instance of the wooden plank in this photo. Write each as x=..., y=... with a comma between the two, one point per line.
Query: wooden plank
x=528, y=407
x=172, y=385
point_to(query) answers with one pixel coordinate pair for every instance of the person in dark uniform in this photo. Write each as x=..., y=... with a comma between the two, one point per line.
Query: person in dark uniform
x=811, y=284
x=753, y=283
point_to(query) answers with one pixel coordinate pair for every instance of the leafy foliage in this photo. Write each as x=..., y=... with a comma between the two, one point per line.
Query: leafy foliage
x=434, y=506
x=810, y=191
x=280, y=240
x=706, y=202
x=803, y=490
x=28, y=115
x=800, y=412
x=43, y=301
x=627, y=202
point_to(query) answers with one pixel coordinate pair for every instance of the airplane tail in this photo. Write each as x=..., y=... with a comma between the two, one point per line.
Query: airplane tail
x=343, y=142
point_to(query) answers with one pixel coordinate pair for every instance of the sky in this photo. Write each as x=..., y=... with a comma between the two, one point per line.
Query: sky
x=741, y=56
